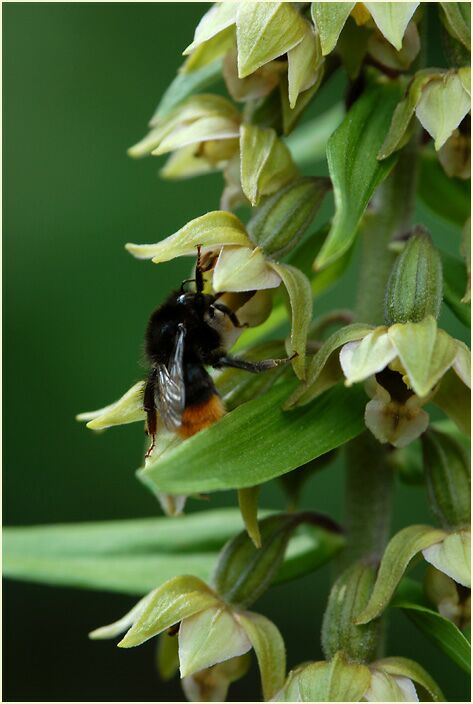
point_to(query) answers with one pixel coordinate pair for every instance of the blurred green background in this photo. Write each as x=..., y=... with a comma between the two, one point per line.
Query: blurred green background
x=80, y=82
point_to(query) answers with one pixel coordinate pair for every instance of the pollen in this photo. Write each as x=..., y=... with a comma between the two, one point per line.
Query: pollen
x=201, y=416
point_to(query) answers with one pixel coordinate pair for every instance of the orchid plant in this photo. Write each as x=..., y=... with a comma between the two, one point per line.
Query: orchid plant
x=381, y=379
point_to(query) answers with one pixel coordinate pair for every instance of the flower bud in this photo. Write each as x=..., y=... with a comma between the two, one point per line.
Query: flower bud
x=415, y=286
x=349, y=595
x=448, y=478
x=244, y=572
x=280, y=223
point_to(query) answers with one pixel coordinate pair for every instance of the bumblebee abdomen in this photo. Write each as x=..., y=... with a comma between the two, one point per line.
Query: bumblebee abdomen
x=201, y=415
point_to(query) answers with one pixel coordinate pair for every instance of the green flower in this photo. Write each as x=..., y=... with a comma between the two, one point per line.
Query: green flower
x=391, y=19
x=451, y=600
x=447, y=551
x=205, y=127
x=338, y=679
x=252, y=35
x=452, y=556
x=405, y=366
x=439, y=99
x=210, y=630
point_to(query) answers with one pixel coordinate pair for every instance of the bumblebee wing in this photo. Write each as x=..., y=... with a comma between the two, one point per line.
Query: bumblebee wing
x=170, y=392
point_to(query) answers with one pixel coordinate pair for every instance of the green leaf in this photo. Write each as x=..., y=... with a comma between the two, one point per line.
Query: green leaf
x=300, y=298
x=438, y=629
x=458, y=21
x=184, y=85
x=399, y=552
x=447, y=197
x=329, y=18
x=325, y=359
x=269, y=648
x=264, y=32
x=392, y=19
x=354, y=168
x=454, y=286
x=135, y=556
x=249, y=445
x=403, y=667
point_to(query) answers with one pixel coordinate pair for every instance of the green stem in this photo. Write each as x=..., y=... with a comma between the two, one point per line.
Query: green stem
x=369, y=478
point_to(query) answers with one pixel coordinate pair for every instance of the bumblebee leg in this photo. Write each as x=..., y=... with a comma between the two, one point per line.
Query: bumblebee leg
x=150, y=410
x=230, y=314
x=254, y=367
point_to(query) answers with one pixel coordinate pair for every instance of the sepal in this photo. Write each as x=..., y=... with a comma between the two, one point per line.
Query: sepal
x=399, y=552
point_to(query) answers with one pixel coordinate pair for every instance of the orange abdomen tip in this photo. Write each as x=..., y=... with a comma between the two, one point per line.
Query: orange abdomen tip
x=200, y=416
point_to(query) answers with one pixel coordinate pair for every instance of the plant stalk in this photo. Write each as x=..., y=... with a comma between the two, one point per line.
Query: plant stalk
x=369, y=477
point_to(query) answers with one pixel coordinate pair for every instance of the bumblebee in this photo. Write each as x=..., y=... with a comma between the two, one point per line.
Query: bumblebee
x=185, y=335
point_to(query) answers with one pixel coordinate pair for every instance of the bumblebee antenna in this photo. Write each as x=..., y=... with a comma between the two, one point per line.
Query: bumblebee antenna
x=199, y=278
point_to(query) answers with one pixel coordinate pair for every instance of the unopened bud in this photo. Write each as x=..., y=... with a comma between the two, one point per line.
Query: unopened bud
x=415, y=286
x=282, y=220
x=348, y=597
x=448, y=478
x=244, y=572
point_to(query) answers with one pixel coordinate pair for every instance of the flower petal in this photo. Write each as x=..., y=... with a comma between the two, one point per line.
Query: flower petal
x=324, y=360
x=425, y=352
x=175, y=600
x=269, y=648
x=372, y=354
x=266, y=163
x=211, y=684
x=462, y=363
x=243, y=269
x=128, y=409
x=399, y=552
x=389, y=688
x=442, y=106
x=404, y=667
x=396, y=425
x=265, y=30
x=184, y=163
x=117, y=627
x=452, y=557
x=454, y=398
x=304, y=62
x=209, y=637
x=392, y=19
x=219, y=17
x=213, y=127
x=211, y=230
x=300, y=297
x=330, y=18
x=257, y=84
